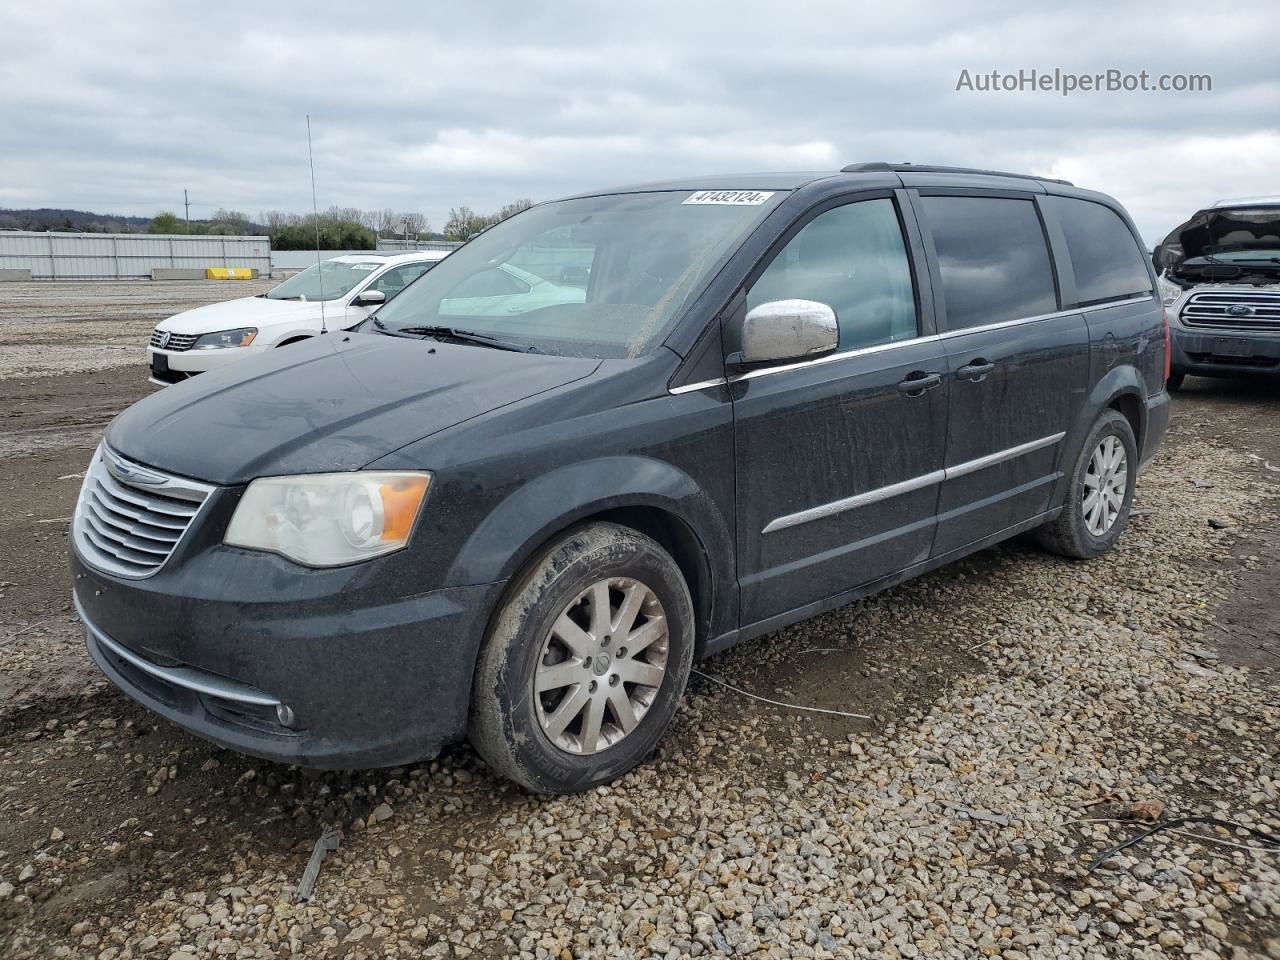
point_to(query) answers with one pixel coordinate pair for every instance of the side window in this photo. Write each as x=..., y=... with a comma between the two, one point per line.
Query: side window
x=397, y=278
x=852, y=258
x=1105, y=258
x=993, y=259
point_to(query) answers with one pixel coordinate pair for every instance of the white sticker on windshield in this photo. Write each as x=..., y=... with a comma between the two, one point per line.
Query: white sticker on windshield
x=365, y=267
x=748, y=198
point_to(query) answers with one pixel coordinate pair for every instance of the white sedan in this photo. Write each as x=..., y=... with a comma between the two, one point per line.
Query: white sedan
x=346, y=288
x=506, y=289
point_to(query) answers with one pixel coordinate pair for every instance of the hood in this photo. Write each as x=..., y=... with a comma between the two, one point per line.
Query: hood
x=1219, y=228
x=248, y=312
x=333, y=403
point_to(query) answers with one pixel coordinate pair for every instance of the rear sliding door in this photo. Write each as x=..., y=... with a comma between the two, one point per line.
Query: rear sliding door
x=1016, y=364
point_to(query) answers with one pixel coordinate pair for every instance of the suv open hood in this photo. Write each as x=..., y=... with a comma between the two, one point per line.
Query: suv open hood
x=1247, y=226
x=333, y=403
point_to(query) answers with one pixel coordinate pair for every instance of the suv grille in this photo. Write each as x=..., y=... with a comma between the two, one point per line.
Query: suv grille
x=129, y=518
x=1234, y=310
x=176, y=341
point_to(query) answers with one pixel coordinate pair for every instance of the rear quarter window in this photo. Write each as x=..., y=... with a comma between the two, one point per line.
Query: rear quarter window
x=1105, y=258
x=993, y=259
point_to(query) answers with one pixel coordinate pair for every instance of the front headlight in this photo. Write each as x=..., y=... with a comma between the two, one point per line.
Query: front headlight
x=226, y=338
x=328, y=519
x=1169, y=291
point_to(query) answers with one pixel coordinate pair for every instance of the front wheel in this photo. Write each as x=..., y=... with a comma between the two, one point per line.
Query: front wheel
x=586, y=662
x=1099, y=494
x=1174, y=383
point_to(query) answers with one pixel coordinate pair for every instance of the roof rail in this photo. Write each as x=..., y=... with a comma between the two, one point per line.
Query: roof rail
x=880, y=166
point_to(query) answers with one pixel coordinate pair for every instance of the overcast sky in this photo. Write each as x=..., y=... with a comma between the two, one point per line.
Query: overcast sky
x=117, y=107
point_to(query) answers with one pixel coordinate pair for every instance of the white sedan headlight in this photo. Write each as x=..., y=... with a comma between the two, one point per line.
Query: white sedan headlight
x=225, y=338
x=328, y=519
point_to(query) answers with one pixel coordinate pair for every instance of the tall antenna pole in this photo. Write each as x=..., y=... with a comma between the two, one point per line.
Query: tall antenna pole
x=187, y=205
x=315, y=215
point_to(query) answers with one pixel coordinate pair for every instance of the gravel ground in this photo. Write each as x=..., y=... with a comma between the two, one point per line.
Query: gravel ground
x=55, y=328
x=1022, y=705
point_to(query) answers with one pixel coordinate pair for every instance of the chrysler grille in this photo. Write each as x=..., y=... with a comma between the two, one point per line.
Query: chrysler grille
x=176, y=341
x=1233, y=310
x=130, y=518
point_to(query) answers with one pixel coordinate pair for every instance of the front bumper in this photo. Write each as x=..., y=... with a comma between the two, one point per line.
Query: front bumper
x=295, y=666
x=173, y=366
x=1209, y=352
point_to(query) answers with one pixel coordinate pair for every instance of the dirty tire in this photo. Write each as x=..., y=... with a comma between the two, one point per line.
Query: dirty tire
x=1174, y=383
x=504, y=726
x=1069, y=535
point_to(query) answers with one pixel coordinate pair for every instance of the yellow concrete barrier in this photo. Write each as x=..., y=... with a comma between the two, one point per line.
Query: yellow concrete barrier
x=230, y=273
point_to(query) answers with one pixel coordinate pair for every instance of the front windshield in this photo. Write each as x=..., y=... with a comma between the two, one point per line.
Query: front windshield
x=593, y=277
x=327, y=280
x=1264, y=252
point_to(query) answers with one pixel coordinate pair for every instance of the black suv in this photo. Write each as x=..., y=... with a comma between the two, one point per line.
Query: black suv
x=516, y=509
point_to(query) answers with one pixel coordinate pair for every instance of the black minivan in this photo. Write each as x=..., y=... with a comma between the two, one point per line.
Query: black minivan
x=609, y=436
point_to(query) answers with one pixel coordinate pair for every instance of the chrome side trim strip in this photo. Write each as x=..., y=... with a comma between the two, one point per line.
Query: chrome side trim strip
x=1000, y=456
x=800, y=364
x=1119, y=303
x=186, y=677
x=908, y=486
x=700, y=385
x=881, y=347
x=852, y=503
x=832, y=357
x=951, y=334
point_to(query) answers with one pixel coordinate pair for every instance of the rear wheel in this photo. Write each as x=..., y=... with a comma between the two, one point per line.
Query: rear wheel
x=1099, y=494
x=586, y=663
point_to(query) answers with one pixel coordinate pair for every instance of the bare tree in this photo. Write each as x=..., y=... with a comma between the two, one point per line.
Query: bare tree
x=511, y=209
x=353, y=214
x=414, y=223
x=464, y=223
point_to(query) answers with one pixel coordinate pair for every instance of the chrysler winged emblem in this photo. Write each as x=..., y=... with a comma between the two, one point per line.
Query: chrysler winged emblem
x=130, y=472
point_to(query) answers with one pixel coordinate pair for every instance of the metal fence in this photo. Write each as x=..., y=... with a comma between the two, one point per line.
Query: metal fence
x=125, y=256
x=391, y=243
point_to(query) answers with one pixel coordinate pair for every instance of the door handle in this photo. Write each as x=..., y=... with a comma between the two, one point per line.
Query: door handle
x=975, y=370
x=918, y=382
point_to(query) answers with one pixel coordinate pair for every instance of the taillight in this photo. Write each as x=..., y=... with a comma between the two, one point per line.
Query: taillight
x=1168, y=348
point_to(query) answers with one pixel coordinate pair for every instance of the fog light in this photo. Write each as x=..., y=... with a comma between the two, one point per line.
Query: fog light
x=284, y=713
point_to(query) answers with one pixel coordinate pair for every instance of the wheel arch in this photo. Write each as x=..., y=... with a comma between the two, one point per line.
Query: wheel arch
x=1121, y=389
x=649, y=496
x=1134, y=410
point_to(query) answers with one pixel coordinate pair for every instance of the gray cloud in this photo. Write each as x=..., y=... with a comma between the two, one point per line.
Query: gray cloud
x=117, y=108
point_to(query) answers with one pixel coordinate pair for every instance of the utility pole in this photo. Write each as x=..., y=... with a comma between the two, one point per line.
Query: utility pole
x=187, y=205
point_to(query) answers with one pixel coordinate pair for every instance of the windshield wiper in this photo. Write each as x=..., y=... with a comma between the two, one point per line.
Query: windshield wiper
x=453, y=333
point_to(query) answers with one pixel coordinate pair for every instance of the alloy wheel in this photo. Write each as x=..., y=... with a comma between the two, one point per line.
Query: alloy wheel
x=1105, y=482
x=601, y=665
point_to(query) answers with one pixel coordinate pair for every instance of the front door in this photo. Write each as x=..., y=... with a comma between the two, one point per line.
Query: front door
x=839, y=459
x=1017, y=366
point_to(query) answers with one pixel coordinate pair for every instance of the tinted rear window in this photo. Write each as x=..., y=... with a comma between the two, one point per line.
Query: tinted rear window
x=1105, y=258
x=993, y=259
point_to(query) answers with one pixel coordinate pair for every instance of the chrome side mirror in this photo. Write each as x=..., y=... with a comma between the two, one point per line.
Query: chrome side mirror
x=788, y=330
x=369, y=298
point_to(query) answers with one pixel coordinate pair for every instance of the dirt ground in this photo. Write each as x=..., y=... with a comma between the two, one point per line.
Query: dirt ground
x=106, y=811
